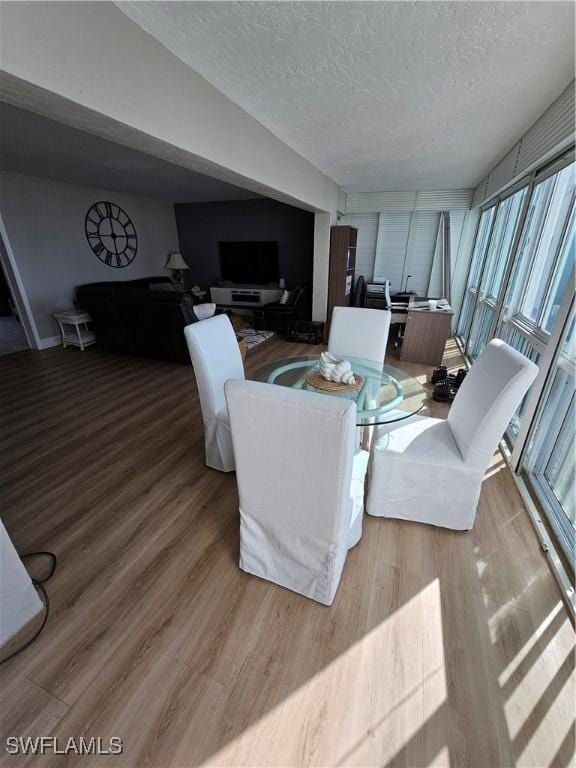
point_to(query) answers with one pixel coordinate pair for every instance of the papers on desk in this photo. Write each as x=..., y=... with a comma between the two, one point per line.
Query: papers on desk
x=442, y=305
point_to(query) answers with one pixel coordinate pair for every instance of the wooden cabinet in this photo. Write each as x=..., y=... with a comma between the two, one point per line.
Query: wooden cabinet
x=342, y=266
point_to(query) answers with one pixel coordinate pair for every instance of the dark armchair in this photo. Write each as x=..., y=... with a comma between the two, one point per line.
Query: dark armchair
x=276, y=316
x=359, y=297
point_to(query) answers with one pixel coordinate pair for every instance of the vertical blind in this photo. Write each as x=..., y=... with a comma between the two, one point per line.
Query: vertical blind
x=420, y=260
x=393, y=245
x=367, y=226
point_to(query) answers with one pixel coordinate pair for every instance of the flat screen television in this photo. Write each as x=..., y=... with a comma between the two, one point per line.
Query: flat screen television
x=249, y=263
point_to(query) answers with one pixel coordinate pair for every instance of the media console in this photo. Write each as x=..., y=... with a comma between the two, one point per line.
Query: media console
x=244, y=295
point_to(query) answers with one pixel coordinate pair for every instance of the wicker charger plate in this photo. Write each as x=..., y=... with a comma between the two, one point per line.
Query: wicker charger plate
x=314, y=379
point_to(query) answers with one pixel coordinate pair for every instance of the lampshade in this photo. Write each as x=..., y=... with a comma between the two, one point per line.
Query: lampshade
x=175, y=261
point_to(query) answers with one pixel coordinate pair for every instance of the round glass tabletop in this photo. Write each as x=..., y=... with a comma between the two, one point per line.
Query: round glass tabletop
x=386, y=394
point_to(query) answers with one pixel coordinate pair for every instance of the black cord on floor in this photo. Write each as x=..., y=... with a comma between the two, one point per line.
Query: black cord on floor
x=39, y=584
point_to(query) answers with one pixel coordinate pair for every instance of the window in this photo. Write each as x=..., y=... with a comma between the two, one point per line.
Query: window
x=481, y=246
x=536, y=262
x=506, y=221
x=562, y=274
x=549, y=465
x=478, y=254
x=517, y=280
x=505, y=225
x=523, y=344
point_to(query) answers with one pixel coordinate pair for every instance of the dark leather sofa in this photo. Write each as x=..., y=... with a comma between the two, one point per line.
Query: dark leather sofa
x=131, y=318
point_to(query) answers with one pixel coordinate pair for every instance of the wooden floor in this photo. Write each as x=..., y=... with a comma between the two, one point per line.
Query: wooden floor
x=441, y=648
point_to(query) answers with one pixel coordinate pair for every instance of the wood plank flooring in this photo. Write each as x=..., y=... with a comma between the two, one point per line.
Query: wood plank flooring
x=441, y=648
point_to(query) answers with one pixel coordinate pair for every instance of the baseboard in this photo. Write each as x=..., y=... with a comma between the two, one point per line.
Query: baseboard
x=51, y=341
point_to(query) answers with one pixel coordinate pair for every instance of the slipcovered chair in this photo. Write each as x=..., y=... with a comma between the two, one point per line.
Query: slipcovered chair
x=431, y=470
x=216, y=357
x=359, y=332
x=300, y=484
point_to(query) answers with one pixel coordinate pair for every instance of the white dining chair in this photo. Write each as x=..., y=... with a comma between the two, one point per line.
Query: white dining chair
x=300, y=484
x=431, y=470
x=216, y=357
x=359, y=332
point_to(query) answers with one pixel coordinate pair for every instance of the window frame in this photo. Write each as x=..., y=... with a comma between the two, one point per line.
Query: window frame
x=474, y=292
x=519, y=322
x=545, y=343
x=518, y=317
x=519, y=458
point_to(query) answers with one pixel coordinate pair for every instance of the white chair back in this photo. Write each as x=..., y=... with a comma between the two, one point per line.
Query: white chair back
x=487, y=400
x=294, y=454
x=216, y=357
x=359, y=332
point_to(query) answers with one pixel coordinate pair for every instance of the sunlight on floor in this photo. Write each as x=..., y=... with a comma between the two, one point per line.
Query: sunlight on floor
x=537, y=683
x=395, y=682
x=441, y=760
x=542, y=732
x=520, y=657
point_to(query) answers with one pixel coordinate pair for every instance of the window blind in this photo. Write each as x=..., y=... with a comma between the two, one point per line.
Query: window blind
x=549, y=135
x=367, y=226
x=391, y=245
x=436, y=280
x=457, y=219
x=420, y=252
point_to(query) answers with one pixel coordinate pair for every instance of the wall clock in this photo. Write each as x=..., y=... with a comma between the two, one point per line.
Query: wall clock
x=111, y=234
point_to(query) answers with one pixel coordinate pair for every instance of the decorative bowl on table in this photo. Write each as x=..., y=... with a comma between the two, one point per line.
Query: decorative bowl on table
x=333, y=375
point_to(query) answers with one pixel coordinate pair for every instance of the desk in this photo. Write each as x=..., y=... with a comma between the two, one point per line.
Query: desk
x=425, y=335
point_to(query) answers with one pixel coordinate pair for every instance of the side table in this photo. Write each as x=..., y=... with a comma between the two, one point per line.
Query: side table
x=74, y=328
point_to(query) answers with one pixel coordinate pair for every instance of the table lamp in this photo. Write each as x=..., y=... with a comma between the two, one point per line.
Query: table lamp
x=176, y=263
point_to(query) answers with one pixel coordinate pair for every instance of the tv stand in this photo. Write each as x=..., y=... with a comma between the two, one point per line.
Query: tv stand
x=244, y=295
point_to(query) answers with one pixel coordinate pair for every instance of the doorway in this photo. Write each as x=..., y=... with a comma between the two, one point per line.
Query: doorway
x=12, y=335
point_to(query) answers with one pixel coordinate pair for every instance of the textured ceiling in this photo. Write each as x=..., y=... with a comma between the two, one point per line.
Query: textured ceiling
x=380, y=95
x=38, y=146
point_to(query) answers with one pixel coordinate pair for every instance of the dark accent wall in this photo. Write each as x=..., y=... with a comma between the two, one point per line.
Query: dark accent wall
x=202, y=225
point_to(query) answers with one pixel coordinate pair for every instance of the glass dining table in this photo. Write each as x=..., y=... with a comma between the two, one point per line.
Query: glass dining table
x=384, y=394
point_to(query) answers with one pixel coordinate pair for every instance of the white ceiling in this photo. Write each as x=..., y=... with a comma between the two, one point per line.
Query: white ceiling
x=38, y=146
x=380, y=95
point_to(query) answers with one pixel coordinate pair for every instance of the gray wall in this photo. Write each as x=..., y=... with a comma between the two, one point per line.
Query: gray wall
x=44, y=222
x=202, y=225
x=19, y=600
